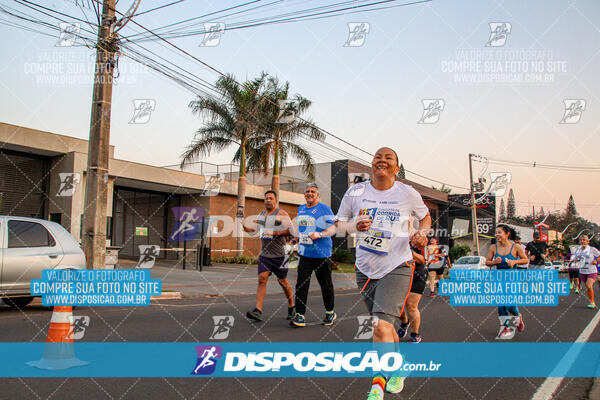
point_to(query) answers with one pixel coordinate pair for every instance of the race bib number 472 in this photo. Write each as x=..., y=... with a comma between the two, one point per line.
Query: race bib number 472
x=376, y=241
x=305, y=239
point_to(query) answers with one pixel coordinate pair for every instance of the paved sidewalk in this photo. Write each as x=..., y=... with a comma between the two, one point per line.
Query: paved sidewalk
x=225, y=279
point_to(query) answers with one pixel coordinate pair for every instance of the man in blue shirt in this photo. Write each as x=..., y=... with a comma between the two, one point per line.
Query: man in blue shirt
x=314, y=249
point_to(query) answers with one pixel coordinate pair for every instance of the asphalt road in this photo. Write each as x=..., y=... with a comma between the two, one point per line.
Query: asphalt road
x=189, y=320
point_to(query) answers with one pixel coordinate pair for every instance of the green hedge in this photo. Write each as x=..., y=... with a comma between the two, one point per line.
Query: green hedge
x=235, y=260
x=342, y=256
x=459, y=251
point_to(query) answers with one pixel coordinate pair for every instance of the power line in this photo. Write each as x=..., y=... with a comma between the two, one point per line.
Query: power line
x=321, y=129
x=295, y=16
x=35, y=20
x=535, y=164
x=238, y=83
x=170, y=73
x=54, y=11
x=23, y=27
x=157, y=8
x=553, y=204
x=149, y=61
x=434, y=180
x=203, y=16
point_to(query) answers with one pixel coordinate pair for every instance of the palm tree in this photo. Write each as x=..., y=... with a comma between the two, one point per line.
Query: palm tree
x=232, y=119
x=444, y=188
x=279, y=133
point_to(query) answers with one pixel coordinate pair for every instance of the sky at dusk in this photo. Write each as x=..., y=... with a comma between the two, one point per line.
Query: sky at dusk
x=502, y=76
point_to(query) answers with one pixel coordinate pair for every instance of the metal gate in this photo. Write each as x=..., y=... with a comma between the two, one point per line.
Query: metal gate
x=139, y=218
x=23, y=184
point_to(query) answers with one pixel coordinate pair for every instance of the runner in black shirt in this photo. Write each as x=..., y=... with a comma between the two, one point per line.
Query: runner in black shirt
x=537, y=251
x=411, y=315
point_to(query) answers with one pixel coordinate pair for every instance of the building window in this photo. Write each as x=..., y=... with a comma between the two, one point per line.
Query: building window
x=109, y=227
x=56, y=217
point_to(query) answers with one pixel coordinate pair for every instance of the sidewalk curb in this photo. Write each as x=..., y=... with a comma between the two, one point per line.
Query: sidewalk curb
x=167, y=295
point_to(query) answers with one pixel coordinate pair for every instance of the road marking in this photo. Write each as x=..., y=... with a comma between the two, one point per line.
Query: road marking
x=551, y=384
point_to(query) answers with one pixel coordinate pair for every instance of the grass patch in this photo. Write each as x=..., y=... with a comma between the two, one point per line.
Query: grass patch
x=344, y=268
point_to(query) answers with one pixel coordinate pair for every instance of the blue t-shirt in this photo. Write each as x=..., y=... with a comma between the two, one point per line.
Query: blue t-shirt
x=315, y=219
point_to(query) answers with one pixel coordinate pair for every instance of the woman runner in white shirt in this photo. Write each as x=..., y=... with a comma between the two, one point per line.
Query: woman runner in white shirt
x=380, y=210
x=585, y=256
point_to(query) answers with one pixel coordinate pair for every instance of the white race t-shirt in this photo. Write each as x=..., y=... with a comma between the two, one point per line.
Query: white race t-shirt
x=385, y=245
x=585, y=258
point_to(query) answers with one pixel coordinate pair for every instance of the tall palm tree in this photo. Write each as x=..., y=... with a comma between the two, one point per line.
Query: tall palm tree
x=232, y=119
x=279, y=133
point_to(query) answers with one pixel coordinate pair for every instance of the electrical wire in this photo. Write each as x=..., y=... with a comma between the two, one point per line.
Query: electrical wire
x=321, y=129
x=291, y=17
x=180, y=79
x=49, y=9
x=535, y=164
x=18, y=14
x=157, y=8
x=206, y=15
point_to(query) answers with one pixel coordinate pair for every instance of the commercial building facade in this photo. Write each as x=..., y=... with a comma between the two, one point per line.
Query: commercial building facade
x=43, y=176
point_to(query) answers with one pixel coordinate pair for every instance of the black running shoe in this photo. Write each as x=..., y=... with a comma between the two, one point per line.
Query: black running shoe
x=298, y=320
x=415, y=338
x=403, y=330
x=330, y=316
x=255, y=314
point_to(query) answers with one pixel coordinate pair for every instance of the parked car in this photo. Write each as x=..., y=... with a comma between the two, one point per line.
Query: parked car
x=470, y=262
x=559, y=266
x=28, y=246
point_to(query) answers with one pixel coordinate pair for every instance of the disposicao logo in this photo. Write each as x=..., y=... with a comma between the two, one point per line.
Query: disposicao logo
x=318, y=362
x=207, y=359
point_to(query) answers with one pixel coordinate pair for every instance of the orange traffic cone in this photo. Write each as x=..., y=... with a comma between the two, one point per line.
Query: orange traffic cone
x=59, y=352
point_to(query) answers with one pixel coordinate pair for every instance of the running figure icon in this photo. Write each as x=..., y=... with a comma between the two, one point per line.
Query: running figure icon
x=207, y=360
x=187, y=219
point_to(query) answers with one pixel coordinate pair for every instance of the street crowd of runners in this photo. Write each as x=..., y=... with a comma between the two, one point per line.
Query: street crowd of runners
x=396, y=257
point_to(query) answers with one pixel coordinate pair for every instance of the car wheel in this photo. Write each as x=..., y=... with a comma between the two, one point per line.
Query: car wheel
x=17, y=302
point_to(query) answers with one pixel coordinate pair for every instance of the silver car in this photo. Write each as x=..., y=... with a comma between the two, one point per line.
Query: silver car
x=27, y=246
x=470, y=262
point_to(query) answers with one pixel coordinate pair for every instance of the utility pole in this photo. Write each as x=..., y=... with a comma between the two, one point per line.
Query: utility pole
x=96, y=186
x=96, y=178
x=473, y=209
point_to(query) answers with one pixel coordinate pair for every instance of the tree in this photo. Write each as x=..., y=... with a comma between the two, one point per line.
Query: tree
x=402, y=173
x=459, y=251
x=231, y=120
x=502, y=213
x=280, y=131
x=511, y=207
x=542, y=214
x=444, y=188
x=571, y=212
